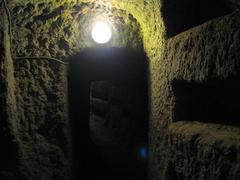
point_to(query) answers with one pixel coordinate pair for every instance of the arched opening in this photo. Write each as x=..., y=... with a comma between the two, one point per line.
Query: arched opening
x=109, y=113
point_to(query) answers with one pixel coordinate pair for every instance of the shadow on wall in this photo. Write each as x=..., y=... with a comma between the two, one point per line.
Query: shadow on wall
x=109, y=113
x=181, y=15
x=214, y=101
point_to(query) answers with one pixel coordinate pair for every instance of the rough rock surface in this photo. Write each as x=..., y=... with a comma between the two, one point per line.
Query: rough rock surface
x=59, y=29
x=43, y=119
x=8, y=126
x=197, y=55
x=202, y=151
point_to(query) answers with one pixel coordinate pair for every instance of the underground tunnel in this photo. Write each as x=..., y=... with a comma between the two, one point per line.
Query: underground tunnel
x=119, y=89
x=109, y=113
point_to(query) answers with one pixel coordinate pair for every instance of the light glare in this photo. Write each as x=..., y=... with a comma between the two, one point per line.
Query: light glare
x=101, y=33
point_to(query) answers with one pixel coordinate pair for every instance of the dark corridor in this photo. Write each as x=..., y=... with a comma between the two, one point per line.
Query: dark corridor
x=108, y=102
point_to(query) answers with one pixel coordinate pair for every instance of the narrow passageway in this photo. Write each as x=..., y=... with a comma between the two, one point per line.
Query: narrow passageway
x=119, y=90
x=108, y=102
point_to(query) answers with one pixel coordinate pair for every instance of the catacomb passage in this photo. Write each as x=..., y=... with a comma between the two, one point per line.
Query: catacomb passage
x=109, y=113
x=119, y=89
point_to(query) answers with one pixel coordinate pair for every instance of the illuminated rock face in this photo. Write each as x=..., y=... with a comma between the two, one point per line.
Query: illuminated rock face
x=190, y=46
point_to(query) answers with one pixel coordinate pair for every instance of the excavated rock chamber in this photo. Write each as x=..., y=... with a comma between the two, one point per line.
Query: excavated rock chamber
x=174, y=61
x=46, y=137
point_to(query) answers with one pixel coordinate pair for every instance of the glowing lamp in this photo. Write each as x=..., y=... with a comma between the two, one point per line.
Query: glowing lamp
x=101, y=33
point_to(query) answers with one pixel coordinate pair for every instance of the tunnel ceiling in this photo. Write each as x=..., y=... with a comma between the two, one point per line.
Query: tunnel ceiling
x=63, y=27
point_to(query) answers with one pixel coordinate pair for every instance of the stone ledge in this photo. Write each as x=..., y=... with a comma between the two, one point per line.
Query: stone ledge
x=202, y=151
x=207, y=133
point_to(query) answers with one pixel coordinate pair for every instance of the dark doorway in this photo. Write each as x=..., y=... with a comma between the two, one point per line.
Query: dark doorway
x=109, y=114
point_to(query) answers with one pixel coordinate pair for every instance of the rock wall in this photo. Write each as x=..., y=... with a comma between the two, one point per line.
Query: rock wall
x=188, y=148
x=43, y=119
x=41, y=31
x=179, y=148
x=10, y=148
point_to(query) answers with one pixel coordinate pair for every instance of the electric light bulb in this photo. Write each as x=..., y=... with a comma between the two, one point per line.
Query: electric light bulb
x=101, y=33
